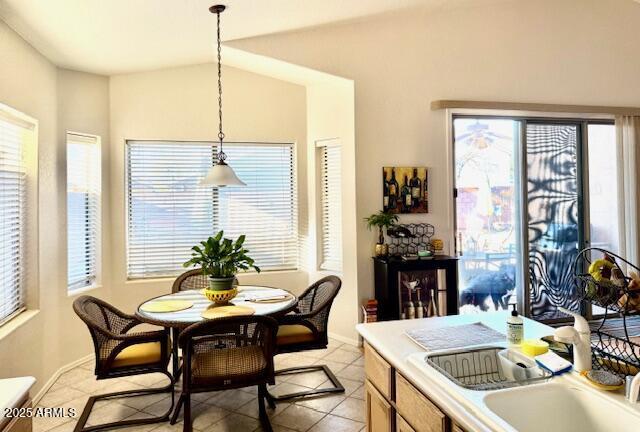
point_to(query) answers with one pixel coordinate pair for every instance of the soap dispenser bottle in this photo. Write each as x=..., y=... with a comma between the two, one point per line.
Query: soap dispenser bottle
x=515, y=327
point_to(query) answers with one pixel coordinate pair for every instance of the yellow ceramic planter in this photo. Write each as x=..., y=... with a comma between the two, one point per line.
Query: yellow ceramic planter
x=221, y=296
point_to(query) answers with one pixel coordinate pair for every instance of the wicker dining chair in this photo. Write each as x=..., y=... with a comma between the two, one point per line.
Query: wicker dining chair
x=227, y=353
x=120, y=352
x=306, y=329
x=192, y=280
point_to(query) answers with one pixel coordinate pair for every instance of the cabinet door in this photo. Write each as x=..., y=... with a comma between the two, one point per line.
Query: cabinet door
x=402, y=425
x=417, y=410
x=379, y=411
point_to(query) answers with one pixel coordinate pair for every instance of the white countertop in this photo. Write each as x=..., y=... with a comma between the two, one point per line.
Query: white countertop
x=14, y=390
x=388, y=338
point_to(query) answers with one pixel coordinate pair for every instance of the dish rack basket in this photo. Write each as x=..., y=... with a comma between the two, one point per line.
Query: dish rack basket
x=480, y=369
x=614, y=346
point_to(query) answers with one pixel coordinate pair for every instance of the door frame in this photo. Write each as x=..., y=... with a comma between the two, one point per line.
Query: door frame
x=524, y=117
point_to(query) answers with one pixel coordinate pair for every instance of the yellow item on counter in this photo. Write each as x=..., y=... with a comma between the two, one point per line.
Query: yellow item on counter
x=603, y=380
x=534, y=347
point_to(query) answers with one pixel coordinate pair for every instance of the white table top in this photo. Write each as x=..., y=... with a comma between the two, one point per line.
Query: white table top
x=201, y=303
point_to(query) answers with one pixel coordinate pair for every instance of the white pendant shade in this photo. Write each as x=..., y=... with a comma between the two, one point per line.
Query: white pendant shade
x=221, y=175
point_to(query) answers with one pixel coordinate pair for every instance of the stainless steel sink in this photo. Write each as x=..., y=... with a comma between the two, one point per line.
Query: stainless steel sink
x=487, y=368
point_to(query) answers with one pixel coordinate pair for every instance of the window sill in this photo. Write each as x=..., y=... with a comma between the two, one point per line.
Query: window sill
x=17, y=321
x=84, y=290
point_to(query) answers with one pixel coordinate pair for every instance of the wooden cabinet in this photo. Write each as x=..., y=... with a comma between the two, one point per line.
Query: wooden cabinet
x=402, y=425
x=457, y=428
x=419, y=411
x=20, y=424
x=378, y=371
x=379, y=413
x=393, y=404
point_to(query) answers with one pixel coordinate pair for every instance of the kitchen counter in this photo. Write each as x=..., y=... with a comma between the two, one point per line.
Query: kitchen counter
x=13, y=393
x=463, y=407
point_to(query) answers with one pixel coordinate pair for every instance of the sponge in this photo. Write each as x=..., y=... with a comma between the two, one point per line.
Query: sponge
x=534, y=347
x=603, y=380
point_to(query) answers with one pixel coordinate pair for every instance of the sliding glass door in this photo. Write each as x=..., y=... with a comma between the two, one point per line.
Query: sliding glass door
x=487, y=177
x=521, y=192
x=554, y=216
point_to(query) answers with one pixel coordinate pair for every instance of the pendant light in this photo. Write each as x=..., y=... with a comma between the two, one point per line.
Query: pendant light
x=221, y=174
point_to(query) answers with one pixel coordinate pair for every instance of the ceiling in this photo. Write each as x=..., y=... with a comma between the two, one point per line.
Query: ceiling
x=118, y=36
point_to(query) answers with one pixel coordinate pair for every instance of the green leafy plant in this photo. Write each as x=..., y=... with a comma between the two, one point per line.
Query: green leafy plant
x=221, y=257
x=381, y=220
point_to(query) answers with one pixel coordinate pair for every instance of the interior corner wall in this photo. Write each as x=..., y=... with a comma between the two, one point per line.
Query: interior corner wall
x=545, y=51
x=182, y=104
x=330, y=114
x=52, y=337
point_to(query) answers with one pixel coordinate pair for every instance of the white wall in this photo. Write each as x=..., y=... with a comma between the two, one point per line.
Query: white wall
x=49, y=335
x=548, y=51
x=330, y=114
x=182, y=104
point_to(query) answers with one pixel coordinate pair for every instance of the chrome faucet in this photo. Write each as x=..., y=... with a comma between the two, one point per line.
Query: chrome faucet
x=633, y=388
x=580, y=336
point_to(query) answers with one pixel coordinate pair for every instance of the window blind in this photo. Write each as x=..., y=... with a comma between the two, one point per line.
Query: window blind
x=83, y=210
x=331, y=207
x=13, y=135
x=169, y=212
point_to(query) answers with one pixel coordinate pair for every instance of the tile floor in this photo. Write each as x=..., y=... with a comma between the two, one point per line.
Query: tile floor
x=229, y=411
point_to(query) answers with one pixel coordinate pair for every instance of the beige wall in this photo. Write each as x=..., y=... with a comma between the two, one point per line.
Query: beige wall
x=330, y=115
x=47, y=337
x=181, y=104
x=550, y=51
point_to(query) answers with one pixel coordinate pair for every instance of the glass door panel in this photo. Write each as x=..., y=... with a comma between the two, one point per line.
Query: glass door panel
x=554, y=228
x=487, y=212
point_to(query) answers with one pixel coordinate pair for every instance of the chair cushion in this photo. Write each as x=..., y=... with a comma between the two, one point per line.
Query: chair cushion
x=293, y=334
x=139, y=354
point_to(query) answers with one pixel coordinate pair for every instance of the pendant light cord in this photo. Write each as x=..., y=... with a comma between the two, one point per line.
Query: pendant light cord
x=221, y=154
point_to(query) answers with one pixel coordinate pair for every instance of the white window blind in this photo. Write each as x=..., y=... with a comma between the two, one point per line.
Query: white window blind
x=13, y=173
x=83, y=210
x=169, y=212
x=331, y=206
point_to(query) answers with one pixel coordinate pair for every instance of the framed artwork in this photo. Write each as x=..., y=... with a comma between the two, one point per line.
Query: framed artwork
x=405, y=189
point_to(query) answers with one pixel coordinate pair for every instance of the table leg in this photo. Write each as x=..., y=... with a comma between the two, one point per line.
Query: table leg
x=176, y=360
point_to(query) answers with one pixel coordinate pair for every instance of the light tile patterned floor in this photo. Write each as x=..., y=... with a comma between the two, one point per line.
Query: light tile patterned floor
x=229, y=411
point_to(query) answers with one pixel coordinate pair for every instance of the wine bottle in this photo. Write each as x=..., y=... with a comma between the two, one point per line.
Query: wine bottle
x=406, y=196
x=425, y=188
x=385, y=196
x=393, y=190
x=416, y=188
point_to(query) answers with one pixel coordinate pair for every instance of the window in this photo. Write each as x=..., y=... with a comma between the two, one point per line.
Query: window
x=520, y=183
x=83, y=210
x=169, y=212
x=331, y=205
x=14, y=136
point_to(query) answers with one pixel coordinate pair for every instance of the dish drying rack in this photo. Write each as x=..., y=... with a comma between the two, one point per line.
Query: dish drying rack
x=614, y=347
x=482, y=369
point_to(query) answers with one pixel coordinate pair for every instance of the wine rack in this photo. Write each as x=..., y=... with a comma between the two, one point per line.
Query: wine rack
x=422, y=234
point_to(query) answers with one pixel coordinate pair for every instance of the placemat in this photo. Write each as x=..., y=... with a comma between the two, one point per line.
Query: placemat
x=432, y=339
x=226, y=311
x=166, y=306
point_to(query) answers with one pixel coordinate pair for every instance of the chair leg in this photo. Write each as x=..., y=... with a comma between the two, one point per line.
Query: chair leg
x=80, y=425
x=187, y=413
x=337, y=386
x=176, y=412
x=264, y=418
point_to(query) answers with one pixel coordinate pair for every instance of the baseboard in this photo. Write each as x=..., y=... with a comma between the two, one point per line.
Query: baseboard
x=66, y=368
x=349, y=341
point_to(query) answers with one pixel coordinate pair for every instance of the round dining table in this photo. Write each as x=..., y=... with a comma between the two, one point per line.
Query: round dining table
x=262, y=300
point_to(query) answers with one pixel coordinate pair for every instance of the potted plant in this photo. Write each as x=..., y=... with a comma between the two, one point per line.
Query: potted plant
x=221, y=259
x=381, y=220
